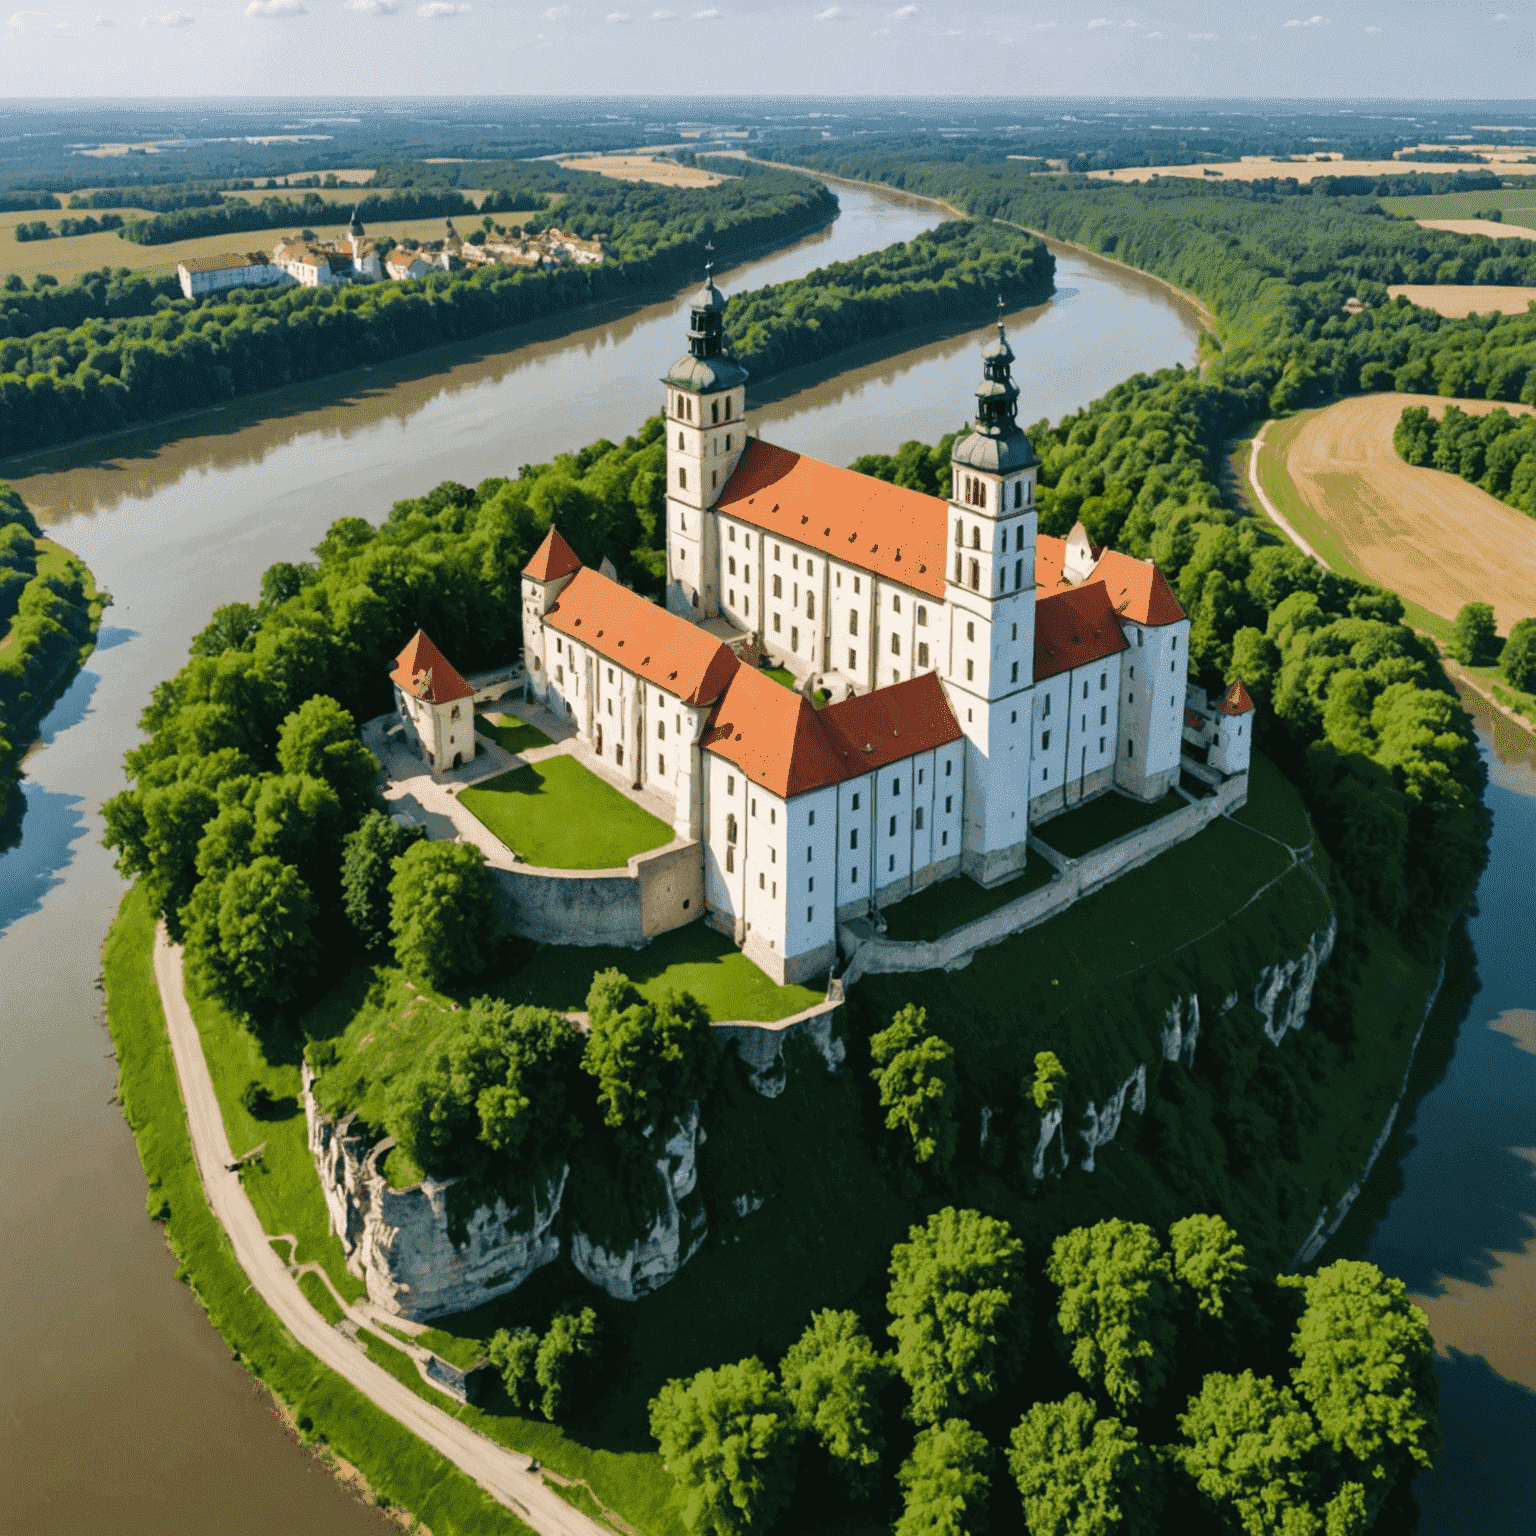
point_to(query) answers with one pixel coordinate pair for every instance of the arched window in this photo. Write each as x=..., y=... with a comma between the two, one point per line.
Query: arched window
x=981, y=493
x=976, y=537
x=975, y=576
x=730, y=828
x=679, y=442
x=958, y=558
x=853, y=621
x=959, y=532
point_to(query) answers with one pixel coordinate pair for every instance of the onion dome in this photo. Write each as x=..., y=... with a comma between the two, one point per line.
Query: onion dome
x=706, y=368
x=996, y=444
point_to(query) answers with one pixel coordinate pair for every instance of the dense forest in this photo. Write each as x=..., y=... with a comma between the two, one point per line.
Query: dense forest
x=951, y=273
x=126, y=351
x=1496, y=452
x=237, y=216
x=49, y=611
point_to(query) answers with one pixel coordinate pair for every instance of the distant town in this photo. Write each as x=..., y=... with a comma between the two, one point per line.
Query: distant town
x=309, y=262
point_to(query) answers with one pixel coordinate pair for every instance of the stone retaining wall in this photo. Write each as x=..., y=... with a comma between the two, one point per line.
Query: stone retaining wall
x=654, y=893
x=1075, y=879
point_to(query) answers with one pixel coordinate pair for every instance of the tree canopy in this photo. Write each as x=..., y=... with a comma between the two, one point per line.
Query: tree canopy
x=442, y=908
x=1080, y=1475
x=915, y=1075
x=945, y=1482
x=834, y=1376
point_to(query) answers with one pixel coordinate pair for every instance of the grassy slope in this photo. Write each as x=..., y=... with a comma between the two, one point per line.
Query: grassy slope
x=1101, y=821
x=560, y=815
x=397, y=1465
x=931, y=913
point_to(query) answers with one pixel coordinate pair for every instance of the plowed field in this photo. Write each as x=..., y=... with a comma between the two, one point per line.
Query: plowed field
x=1429, y=536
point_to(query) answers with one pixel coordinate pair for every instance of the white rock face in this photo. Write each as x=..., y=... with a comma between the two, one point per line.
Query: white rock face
x=1050, y=1128
x=1100, y=1125
x=674, y=1237
x=1182, y=1030
x=761, y=1047
x=398, y=1241
x=1284, y=990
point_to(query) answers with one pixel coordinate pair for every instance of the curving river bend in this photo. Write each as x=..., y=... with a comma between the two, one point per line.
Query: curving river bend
x=120, y=1402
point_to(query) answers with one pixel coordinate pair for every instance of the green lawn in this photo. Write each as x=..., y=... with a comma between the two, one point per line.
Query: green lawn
x=559, y=815
x=1101, y=821
x=931, y=913
x=511, y=734
x=1518, y=205
x=787, y=679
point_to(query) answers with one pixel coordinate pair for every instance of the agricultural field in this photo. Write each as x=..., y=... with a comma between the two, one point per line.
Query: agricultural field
x=1510, y=201
x=1458, y=300
x=1252, y=167
x=662, y=173
x=1430, y=536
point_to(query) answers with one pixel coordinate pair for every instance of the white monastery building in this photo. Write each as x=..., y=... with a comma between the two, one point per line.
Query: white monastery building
x=985, y=677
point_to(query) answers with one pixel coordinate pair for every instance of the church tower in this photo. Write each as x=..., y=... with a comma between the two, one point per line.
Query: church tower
x=990, y=599
x=706, y=433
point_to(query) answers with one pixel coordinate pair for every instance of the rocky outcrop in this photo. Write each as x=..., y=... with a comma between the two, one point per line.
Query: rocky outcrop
x=1101, y=1125
x=401, y=1243
x=761, y=1046
x=1050, y=1130
x=675, y=1235
x=1284, y=990
x=1182, y=1031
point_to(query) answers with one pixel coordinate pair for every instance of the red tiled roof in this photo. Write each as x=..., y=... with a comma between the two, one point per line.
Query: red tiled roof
x=425, y=673
x=1137, y=589
x=1194, y=720
x=873, y=729
x=644, y=638
x=896, y=533
x=1074, y=627
x=787, y=747
x=1236, y=701
x=553, y=559
x=773, y=735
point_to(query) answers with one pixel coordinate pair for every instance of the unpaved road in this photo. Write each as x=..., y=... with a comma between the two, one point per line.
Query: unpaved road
x=502, y=1473
x=1429, y=536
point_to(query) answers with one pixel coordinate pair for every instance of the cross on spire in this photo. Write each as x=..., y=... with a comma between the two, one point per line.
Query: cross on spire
x=1000, y=331
x=709, y=264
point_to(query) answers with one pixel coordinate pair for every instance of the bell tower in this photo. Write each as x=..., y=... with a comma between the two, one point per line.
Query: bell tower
x=989, y=588
x=706, y=432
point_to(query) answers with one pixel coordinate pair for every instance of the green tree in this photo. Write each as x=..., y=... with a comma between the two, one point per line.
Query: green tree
x=1517, y=661
x=1115, y=1308
x=1366, y=1365
x=1210, y=1262
x=653, y=1061
x=228, y=630
x=251, y=934
x=566, y=1362
x=1474, y=636
x=954, y=1312
x=945, y=1482
x=320, y=739
x=515, y=1355
x=1049, y=1077
x=1254, y=1452
x=497, y=1095
x=442, y=908
x=1082, y=1477
x=367, y=866
x=728, y=1437
x=833, y=1376
x=914, y=1072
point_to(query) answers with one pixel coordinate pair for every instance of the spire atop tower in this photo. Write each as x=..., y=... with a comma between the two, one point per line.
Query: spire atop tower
x=996, y=442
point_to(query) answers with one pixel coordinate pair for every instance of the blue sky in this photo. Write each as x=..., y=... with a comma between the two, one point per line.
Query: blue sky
x=1408, y=49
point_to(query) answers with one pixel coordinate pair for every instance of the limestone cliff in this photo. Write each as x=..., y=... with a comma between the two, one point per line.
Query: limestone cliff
x=673, y=1238
x=399, y=1242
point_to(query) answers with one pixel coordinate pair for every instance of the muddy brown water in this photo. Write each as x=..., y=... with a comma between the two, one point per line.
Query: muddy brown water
x=122, y=1408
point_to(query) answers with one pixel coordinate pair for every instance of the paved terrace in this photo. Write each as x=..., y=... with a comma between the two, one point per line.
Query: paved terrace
x=432, y=798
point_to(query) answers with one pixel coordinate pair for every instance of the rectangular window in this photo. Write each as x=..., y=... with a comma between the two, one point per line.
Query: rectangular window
x=810, y=605
x=727, y=442
x=794, y=559
x=776, y=626
x=773, y=890
x=1015, y=675
x=920, y=773
x=778, y=586
x=895, y=676
x=856, y=586
x=730, y=597
x=959, y=566
x=661, y=730
x=730, y=783
x=777, y=552
x=944, y=839
x=1130, y=698
x=949, y=805
x=810, y=885
x=892, y=867
x=661, y=764
x=1103, y=681
x=1013, y=718
x=856, y=802
x=731, y=534
x=682, y=478
x=762, y=881
x=746, y=605
x=853, y=877
x=947, y=765
x=922, y=614
x=970, y=671
x=1101, y=743
x=970, y=631
x=1018, y=573
x=853, y=621
x=807, y=855
x=853, y=836
x=810, y=912
x=730, y=860
x=917, y=819
x=810, y=567
x=732, y=565
x=853, y=660
x=1045, y=714
x=794, y=637
x=1085, y=687
x=773, y=855
x=895, y=603
x=922, y=653
x=1130, y=748
x=1045, y=775
x=754, y=805
x=811, y=822
x=895, y=643
x=1045, y=741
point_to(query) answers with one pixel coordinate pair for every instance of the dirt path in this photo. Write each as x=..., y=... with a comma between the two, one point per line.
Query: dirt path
x=1429, y=536
x=502, y=1473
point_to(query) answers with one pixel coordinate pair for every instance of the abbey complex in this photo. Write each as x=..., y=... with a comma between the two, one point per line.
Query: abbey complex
x=978, y=677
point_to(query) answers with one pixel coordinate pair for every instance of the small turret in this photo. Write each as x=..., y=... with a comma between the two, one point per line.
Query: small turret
x=996, y=444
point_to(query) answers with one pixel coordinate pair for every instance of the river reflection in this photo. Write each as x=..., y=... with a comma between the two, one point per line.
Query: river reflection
x=1452, y=1206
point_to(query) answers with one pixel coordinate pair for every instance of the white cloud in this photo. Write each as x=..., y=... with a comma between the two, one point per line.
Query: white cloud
x=23, y=22
x=906, y=10
x=1154, y=37
x=170, y=19
x=1311, y=21
x=441, y=10
x=1044, y=26
x=831, y=13
x=1202, y=37
x=557, y=13
x=1130, y=23
x=105, y=21
x=1502, y=16
x=617, y=17
x=1373, y=29
x=710, y=15
x=1099, y=21
x=275, y=10
x=374, y=7
x=663, y=15
x=954, y=32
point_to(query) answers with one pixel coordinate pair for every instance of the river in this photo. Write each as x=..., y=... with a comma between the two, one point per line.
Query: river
x=120, y=1402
